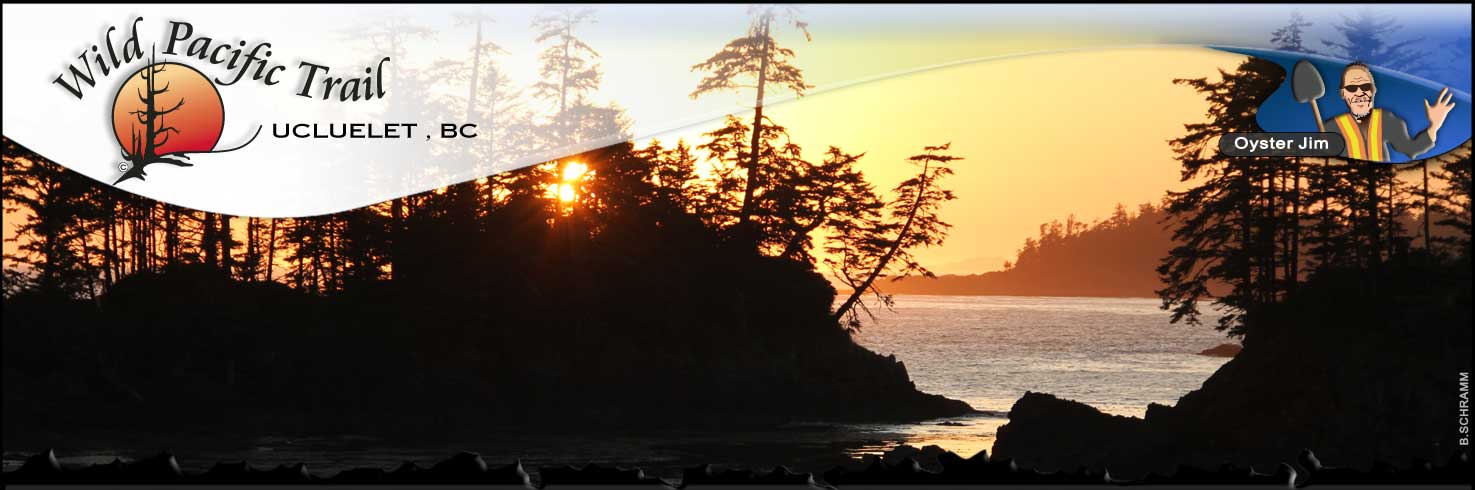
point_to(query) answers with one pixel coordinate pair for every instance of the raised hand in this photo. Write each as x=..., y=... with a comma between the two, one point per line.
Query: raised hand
x=1439, y=110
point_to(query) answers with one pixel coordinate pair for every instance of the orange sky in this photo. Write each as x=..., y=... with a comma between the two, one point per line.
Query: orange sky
x=1043, y=136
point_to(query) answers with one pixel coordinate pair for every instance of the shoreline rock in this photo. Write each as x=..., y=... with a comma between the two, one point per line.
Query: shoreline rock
x=1222, y=350
x=1361, y=383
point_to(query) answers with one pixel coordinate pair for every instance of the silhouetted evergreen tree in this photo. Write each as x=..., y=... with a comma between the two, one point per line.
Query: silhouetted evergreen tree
x=51, y=237
x=758, y=57
x=1454, y=201
x=730, y=150
x=1114, y=257
x=1225, y=223
x=1289, y=37
x=388, y=36
x=567, y=70
x=1248, y=221
x=826, y=198
x=1368, y=37
x=675, y=176
x=871, y=251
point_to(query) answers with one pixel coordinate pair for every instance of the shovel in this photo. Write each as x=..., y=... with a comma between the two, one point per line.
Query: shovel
x=1306, y=86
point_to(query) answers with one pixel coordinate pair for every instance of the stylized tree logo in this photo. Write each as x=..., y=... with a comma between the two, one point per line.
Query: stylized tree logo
x=163, y=113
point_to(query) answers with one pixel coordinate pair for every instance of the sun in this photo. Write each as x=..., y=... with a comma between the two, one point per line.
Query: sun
x=194, y=124
x=572, y=173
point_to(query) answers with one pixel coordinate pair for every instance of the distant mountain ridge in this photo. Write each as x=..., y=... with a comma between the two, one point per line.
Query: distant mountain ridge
x=1116, y=257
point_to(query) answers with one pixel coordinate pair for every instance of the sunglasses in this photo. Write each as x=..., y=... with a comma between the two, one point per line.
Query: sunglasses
x=1366, y=87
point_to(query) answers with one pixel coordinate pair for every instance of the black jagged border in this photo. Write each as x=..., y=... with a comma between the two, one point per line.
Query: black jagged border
x=469, y=468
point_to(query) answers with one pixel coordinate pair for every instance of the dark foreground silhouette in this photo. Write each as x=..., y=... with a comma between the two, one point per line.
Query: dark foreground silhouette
x=189, y=349
x=1222, y=350
x=483, y=305
x=904, y=465
x=1363, y=367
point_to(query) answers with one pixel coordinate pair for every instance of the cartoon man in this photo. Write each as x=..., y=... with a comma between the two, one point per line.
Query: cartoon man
x=1370, y=131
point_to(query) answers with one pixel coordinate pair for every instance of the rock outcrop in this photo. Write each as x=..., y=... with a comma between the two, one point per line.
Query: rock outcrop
x=1221, y=350
x=1361, y=383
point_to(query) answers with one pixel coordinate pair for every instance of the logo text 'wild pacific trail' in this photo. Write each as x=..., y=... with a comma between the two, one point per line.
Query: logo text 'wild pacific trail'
x=101, y=61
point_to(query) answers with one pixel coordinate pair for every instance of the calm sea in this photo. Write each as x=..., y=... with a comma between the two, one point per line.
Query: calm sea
x=1115, y=354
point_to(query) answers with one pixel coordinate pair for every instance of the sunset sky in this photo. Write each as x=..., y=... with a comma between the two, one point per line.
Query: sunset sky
x=1042, y=136
x=1076, y=127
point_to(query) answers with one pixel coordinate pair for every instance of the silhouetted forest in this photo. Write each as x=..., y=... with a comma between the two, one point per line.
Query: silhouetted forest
x=1263, y=226
x=627, y=301
x=1114, y=257
x=1355, y=318
x=681, y=284
x=617, y=285
x=1250, y=230
x=1117, y=256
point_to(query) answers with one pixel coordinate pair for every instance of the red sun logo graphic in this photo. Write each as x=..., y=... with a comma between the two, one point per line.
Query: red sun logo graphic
x=164, y=112
x=184, y=108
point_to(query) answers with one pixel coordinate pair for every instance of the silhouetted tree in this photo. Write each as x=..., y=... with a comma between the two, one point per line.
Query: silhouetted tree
x=796, y=199
x=251, y=265
x=828, y=197
x=458, y=243
x=227, y=243
x=674, y=178
x=49, y=234
x=388, y=36
x=1241, y=224
x=477, y=19
x=1223, y=224
x=568, y=74
x=730, y=151
x=1441, y=207
x=758, y=57
x=154, y=133
x=271, y=249
x=869, y=251
x=1454, y=201
x=1289, y=37
x=505, y=125
x=1367, y=36
x=1113, y=257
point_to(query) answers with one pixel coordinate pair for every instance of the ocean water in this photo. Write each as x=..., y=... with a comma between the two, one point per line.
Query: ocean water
x=1115, y=354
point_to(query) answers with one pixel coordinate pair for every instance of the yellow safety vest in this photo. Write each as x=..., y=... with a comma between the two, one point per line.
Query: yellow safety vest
x=1358, y=147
